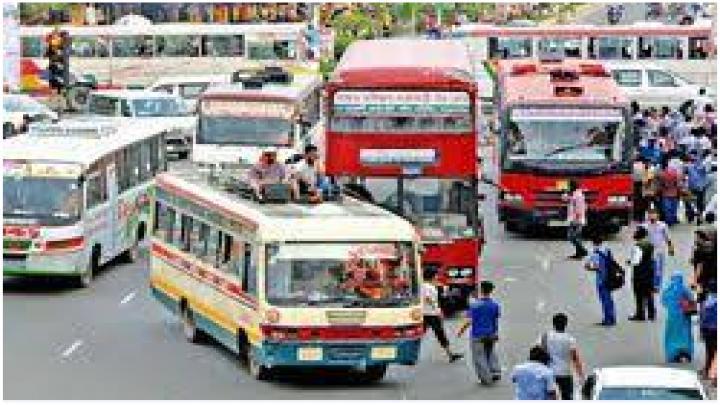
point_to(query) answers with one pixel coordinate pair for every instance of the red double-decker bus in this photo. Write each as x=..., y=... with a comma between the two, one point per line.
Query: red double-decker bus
x=562, y=120
x=401, y=129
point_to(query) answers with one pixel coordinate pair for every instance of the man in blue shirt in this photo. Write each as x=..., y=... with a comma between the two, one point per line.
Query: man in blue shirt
x=599, y=262
x=483, y=315
x=534, y=380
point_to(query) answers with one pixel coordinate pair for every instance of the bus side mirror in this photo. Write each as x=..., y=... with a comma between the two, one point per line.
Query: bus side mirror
x=481, y=197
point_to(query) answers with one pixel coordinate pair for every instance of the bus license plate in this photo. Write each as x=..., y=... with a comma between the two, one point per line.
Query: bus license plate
x=383, y=353
x=557, y=223
x=310, y=353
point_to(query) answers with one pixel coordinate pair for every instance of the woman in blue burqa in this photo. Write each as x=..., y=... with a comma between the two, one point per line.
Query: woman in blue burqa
x=678, y=326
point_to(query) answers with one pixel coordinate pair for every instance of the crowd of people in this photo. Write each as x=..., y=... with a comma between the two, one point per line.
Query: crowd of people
x=674, y=166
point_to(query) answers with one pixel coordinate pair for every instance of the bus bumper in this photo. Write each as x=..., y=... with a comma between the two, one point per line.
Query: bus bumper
x=337, y=354
x=609, y=217
x=67, y=264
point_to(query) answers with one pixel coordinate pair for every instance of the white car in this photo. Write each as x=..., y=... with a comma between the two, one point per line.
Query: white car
x=158, y=107
x=643, y=383
x=189, y=87
x=16, y=106
x=653, y=86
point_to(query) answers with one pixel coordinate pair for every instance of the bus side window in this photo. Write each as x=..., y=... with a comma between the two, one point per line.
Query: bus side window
x=185, y=231
x=198, y=239
x=165, y=223
x=213, y=247
x=227, y=262
x=145, y=158
x=249, y=276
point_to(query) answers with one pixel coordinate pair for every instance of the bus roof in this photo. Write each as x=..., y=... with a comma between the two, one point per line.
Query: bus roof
x=285, y=29
x=77, y=140
x=404, y=63
x=131, y=94
x=291, y=221
x=577, y=31
x=530, y=81
x=301, y=86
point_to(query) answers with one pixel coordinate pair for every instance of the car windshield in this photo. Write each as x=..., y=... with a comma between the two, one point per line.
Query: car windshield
x=47, y=201
x=157, y=107
x=565, y=135
x=652, y=394
x=245, y=131
x=342, y=274
x=22, y=104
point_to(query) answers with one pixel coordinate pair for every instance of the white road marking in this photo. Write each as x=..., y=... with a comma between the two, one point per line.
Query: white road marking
x=128, y=298
x=509, y=279
x=76, y=344
x=540, y=307
x=545, y=264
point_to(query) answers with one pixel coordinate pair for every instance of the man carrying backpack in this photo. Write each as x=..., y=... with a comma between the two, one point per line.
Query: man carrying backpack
x=600, y=262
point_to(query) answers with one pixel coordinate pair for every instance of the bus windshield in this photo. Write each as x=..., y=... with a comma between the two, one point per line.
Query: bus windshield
x=46, y=201
x=442, y=208
x=157, y=107
x=342, y=274
x=264, y=131
x=564, y=135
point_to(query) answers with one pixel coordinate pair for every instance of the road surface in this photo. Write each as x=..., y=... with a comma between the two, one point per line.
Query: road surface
x=113, y=341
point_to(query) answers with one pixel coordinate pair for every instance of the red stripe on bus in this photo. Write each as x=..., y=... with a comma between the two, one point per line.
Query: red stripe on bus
x=225, y=286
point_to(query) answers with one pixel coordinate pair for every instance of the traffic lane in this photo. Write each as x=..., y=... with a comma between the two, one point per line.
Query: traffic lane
x=48, y=322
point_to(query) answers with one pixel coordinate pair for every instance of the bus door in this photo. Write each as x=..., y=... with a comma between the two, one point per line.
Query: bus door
x=112, y=190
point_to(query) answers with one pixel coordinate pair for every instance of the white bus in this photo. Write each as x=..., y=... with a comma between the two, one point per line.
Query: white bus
x=141, y=54
x=686, y=49
x=76, y=194
x=235, y=123
x=279, y=285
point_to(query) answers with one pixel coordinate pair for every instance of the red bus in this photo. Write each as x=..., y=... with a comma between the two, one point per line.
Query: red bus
x=560, y=121
x=402, y=131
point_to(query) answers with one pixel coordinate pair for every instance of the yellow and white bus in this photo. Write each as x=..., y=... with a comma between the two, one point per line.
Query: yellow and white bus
x=334, y=284
x=76, y=194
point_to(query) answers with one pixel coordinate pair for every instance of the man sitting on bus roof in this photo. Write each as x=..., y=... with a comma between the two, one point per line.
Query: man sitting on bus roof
x=268, y=171
x=310, y=175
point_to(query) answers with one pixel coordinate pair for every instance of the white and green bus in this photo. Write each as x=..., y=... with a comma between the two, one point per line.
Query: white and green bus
x=76, y=194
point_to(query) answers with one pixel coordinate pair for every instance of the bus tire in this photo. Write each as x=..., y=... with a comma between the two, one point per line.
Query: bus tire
x=189, y=327
x=133, y=253
x=85, y=279
x=183, y=155
x=375, y=373
x=256, y=369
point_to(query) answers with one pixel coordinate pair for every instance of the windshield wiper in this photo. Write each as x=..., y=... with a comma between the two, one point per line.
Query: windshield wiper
x=565, y=149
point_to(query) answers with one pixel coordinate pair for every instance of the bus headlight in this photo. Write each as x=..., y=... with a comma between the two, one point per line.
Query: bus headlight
x=513, y=198
x=618, y=199
x=453, y=272
x=466, y=271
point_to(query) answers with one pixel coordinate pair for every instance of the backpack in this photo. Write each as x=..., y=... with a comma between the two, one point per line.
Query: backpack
x=615, y=278
x=697, y=177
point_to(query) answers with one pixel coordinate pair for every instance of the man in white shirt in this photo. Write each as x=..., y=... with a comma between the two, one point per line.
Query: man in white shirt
x=659, y=236
x=432, y=314
x=576, y=217
x=564, y=355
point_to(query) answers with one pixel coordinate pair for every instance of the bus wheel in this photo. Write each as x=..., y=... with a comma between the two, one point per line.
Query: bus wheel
x=85, y=279
x=375, y=373
x=190, y=330
x=256, y=369
x=133, y=253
